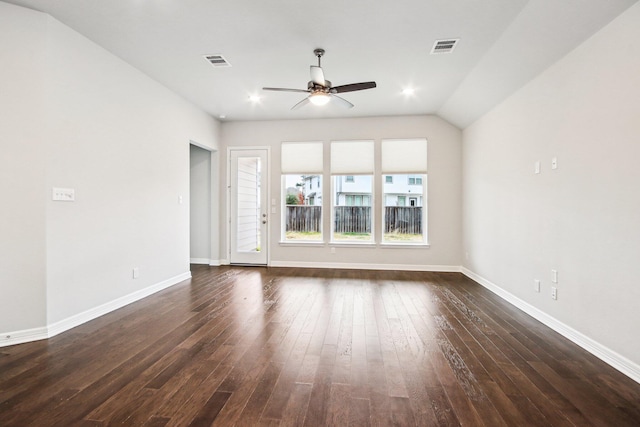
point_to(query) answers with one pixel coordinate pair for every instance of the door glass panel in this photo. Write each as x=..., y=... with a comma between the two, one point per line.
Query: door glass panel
x=249, y=209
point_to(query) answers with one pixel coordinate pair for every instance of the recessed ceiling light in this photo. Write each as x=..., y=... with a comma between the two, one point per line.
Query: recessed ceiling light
x=254, y=98
x=408, y=91
x=222, y=116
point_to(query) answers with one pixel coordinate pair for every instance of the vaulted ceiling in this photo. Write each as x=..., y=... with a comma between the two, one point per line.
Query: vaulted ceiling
x=502, y=45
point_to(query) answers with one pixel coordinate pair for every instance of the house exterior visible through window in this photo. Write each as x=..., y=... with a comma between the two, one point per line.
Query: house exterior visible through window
x=404, y=216
x=415, y=180
x=302, y=167
x=352, y=191
x=352, y=206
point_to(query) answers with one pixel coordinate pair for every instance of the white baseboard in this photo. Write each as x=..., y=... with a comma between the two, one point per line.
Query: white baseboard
x=617, y=361
x=19, y=337
x=80, y=318
x=199, y=261
x=361, y=266
x=215, y=262
x=56, y=328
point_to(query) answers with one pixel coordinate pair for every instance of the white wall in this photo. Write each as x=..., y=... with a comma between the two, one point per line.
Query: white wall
x=22, y=170
x=91, y=122
x=582, y=219
x=444, y=191
x=200, y=203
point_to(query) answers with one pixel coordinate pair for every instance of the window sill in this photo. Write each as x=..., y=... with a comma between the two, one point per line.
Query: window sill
x=300, y=243
x=405, y=245
x=354, y=244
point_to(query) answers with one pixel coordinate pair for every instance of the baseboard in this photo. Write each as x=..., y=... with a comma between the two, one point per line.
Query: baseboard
x=617, y=361
x=362, y=266
x=19, y=337
x=216, y=262
x=54, y=329
x=199, y=261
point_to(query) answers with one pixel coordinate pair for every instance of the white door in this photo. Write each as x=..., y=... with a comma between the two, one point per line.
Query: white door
x=248, y=198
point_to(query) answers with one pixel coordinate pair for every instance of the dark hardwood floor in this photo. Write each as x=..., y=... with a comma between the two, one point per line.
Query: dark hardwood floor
x=291, y=347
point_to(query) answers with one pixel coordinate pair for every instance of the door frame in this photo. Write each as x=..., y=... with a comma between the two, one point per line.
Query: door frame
x=267, y=238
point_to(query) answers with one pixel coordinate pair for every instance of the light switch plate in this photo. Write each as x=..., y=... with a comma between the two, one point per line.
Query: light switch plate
x=64, y=194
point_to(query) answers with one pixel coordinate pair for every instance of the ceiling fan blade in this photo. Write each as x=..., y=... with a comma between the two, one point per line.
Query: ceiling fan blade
x=353, y=87
x=301, y=104
x=317, y=76
x=341, y=101
x=282, y=89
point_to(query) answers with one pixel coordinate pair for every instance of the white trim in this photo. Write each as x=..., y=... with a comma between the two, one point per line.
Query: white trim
x=215, y=262
x=93, y=313
x=19, y=337
x=199, y=261
x=308, y=243
x=266, y=148
x=36, y=334
x=405, y=245
x=362, y=266
x=617, y=361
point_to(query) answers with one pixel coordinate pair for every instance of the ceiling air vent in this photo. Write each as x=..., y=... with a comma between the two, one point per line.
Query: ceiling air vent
x=444, y=46
x=217, y=61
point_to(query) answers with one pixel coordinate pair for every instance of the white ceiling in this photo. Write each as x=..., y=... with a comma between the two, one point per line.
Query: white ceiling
x=503, y=44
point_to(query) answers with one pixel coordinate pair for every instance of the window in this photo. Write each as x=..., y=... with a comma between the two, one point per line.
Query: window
x=301, y=165
x=352, y=219
x=415, y=180
x=406, y=160
x=388, y=179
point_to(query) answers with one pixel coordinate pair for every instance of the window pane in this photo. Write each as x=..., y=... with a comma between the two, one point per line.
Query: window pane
x=352, y=216
x=302, y=207
x=403, y=219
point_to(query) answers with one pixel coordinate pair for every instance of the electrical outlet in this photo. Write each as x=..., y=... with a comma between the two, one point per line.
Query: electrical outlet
x=554, y=292
x=536, y=285
x=333, y=250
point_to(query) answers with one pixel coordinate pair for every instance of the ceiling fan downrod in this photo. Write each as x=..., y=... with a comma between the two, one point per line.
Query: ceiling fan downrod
x=318, y=52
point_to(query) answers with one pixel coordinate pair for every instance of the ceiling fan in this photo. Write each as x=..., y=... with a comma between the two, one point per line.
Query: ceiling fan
x=320, y=90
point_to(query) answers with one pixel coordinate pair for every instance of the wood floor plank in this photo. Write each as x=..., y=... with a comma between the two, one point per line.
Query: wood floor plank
x=292, y=347
x=296, y=409
x=209, y=412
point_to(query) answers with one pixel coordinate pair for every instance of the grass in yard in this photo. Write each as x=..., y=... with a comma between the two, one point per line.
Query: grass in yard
x=352, y=236
x=303, y=235
x=403, y=237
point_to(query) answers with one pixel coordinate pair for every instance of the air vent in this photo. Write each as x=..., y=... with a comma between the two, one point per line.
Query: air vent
x=444, y=46
x=217, y=61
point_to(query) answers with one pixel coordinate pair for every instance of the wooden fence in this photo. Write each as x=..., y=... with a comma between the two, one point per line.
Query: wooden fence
x=355, y=219
x=352, y=219
x=304, y=218
x=403, y=219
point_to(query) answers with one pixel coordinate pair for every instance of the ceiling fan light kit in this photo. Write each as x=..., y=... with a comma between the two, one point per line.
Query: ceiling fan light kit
x=319, y=98
x=321, y=91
